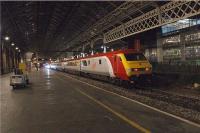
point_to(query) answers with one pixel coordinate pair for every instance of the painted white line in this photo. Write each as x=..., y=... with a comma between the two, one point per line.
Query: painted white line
x=155, y=109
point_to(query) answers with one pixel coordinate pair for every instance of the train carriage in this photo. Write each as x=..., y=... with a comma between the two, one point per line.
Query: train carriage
x=123, y=65
x=97, y=65
x=72, y=66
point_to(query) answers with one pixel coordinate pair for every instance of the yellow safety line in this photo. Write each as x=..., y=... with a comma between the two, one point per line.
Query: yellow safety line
x=145, y=105
x=130, y=122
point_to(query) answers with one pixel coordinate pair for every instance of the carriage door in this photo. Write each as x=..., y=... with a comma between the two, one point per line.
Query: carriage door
x=115, y=65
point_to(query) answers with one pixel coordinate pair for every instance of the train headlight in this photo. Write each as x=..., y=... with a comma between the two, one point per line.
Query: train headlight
x=147, y=69
x=134, y=69
x=128, y=70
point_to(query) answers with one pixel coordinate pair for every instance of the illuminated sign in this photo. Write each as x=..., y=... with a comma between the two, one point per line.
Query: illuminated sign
x=173, y=39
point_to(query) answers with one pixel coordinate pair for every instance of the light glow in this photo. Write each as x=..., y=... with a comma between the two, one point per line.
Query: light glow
x=47, y=66
x=147, y=69
x=7, y=38
x=12, y=44
x=16, y=48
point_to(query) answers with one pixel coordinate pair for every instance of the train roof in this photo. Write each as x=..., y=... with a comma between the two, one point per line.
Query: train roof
x=108, y=53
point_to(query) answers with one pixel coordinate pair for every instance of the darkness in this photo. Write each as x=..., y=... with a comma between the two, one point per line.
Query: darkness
x=48, y=28
x=44, y=26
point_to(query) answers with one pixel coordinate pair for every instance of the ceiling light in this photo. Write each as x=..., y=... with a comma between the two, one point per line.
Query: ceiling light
x=7, y=38
x=12, y=44
x=16, y=48
x=19, y=50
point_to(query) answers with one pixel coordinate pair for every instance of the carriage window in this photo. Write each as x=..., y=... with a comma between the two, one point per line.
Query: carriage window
x=99, y=61
x=88, y=62
x=134, y=56
x=84, y=63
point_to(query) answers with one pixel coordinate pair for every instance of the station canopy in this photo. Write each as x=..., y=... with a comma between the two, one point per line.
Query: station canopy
x=50, y=27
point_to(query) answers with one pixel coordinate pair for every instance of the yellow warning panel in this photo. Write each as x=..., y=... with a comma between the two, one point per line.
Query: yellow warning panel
x=22, y=66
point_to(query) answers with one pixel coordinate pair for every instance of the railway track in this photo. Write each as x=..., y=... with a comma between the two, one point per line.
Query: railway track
x=188, y=102
x=169, y=97
x=158, y=94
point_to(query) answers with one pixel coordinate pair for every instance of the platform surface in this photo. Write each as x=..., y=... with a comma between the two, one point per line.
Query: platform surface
x=56, y=103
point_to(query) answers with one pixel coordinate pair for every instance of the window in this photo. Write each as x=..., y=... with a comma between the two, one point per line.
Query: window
x=88, y=62
x=198, y=21
x=192, y=51
x=134, y=57
x=172, y=53
x=84, y=63
x=99, y=61
x=184, y=23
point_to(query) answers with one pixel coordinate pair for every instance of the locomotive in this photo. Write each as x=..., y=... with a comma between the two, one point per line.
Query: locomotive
x=117, y=66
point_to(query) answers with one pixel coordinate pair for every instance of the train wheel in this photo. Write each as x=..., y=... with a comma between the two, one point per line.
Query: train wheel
x=119, y=82
x=112, y=80
x=132, y=84
x=116, y=81
x=136, y=85
x=126, y=84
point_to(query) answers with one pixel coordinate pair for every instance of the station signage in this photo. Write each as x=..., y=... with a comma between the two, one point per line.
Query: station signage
x=171, y=40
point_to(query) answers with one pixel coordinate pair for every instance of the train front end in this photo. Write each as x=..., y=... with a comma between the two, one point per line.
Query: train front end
x=137, y=66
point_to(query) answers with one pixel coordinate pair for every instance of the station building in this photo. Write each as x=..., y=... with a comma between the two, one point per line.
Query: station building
x=178, y=42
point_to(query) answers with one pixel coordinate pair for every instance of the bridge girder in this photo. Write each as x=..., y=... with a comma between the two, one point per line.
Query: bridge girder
x=168, y=13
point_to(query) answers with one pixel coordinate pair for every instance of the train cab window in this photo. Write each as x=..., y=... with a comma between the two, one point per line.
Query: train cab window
x=88, y=62
x=99, y=61
x=134, y=56
x=84, y=63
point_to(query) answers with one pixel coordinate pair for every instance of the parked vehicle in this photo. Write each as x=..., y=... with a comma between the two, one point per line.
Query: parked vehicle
x=19, y=79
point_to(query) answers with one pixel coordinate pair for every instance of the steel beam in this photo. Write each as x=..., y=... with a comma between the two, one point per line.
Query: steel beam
x=108, y=21
x=168, y=13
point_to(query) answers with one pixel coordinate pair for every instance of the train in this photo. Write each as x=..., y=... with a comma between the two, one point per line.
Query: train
x=120, y=66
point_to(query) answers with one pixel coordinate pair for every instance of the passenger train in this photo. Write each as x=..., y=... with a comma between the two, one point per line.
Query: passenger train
x=116, y=66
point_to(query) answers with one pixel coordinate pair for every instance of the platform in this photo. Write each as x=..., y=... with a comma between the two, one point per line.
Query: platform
x=56, y=103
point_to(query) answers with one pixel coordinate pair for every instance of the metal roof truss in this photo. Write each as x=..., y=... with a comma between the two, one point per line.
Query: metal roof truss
x=168, y=13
